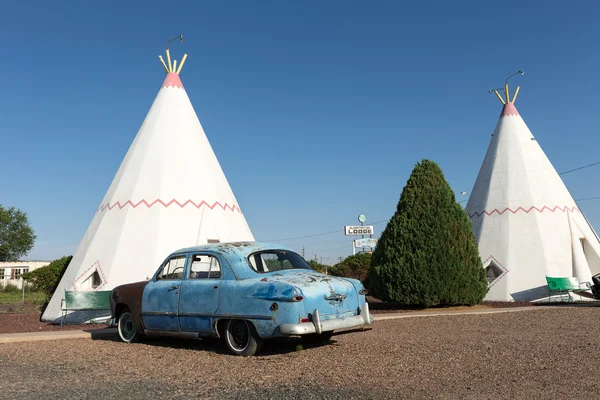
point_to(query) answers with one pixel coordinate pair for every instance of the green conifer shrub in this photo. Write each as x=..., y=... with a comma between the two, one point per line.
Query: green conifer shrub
x=428, y=255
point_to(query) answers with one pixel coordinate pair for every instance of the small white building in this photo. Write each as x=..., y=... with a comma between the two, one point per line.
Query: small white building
x=11, y=271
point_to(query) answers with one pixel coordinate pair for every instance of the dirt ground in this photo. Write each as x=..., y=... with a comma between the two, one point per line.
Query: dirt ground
x=27, y=318
x=30, y=322
x=540, y=353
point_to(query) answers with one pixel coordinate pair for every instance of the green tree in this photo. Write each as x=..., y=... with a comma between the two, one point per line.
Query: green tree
x=317, y=266
x=428, y=255
x=46, y=278
x=16, y=236
x=356, y=267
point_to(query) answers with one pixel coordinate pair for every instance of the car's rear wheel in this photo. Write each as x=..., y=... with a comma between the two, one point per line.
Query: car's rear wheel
x=318, y=338
x=126, y=327
x=241, y=338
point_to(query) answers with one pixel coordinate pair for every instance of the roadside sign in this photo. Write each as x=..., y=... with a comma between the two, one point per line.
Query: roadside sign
x=359, y=230
x=367, y=242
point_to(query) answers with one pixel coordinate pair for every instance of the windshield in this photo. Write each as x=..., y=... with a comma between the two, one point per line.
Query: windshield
x=276, y=260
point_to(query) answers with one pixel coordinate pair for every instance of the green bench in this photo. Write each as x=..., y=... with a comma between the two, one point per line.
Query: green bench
x=563, y=286
x=84, y=301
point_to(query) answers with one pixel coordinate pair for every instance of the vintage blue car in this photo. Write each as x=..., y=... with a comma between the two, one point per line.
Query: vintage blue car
x=243, y=292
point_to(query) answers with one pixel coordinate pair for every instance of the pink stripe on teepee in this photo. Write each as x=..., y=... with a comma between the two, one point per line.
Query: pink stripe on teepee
x=173, y=202
x=172, y=80
x=509, y=109
x=525, y=210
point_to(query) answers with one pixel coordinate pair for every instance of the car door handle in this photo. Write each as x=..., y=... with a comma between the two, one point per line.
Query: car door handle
x=216, y=287
x=175, y=287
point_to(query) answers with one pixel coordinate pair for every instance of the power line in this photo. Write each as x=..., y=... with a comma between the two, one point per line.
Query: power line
x=337, y=248
x=317, y=234
x=310, y=246
x=588, y=198
x=303, y=237
x=577, y=169
x=385, y=220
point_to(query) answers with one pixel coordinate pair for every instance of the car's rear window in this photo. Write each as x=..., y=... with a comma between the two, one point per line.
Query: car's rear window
x=276, y=260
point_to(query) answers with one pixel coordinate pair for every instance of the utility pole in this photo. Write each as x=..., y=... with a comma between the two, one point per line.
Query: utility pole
x=302, y=251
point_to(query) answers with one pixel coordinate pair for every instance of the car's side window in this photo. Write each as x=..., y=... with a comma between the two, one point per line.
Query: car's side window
x=205, y=266
x=173, y=268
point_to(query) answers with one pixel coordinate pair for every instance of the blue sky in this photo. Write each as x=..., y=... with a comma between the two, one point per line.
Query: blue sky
x=339, y=98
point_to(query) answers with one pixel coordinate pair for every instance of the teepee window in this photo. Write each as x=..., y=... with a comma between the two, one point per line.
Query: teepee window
x=493, y=272
x=93, y=281
x=96, y=280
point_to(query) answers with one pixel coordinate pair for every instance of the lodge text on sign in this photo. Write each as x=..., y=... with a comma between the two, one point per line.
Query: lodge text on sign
x=359, y=230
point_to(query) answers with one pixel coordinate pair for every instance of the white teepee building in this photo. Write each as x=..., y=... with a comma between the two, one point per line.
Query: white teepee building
x=169, y=192
x=526, y=222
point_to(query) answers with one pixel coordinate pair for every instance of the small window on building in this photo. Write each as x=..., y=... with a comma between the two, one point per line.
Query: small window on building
x=93, y=281
x=15, y=273
x=493, y=272
x=1, y=274
x=96, y=280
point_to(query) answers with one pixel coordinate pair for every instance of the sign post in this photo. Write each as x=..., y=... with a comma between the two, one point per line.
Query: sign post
x=362, y=230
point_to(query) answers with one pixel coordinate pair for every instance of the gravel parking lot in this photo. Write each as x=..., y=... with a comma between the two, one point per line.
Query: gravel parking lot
x=531, y=354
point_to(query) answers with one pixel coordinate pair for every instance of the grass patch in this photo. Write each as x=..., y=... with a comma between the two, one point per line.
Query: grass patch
x=16, y=297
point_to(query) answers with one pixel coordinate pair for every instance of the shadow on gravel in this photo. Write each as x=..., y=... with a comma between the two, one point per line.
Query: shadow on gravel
x=379, y=306
x=107, y=334
x=575, y=304
x=214, y=345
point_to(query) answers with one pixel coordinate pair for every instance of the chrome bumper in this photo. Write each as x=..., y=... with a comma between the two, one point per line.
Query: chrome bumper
x=318, y=326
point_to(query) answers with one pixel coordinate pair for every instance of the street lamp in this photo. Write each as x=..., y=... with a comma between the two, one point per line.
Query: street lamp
x=464, y=194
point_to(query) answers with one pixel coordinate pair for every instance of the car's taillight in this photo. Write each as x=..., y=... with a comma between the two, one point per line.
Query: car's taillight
x=297, y=298
x=303, y=319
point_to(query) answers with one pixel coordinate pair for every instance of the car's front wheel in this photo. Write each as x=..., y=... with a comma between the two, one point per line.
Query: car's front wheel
x=126, y=327
x=241, y=338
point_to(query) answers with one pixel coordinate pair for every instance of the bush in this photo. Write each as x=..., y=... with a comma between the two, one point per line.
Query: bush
x=427, y=255
x=318, y=266
x=10, y=288
x=46, y=279
x=356, y=267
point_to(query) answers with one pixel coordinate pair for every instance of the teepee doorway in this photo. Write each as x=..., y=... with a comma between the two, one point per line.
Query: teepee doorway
x=593, y=259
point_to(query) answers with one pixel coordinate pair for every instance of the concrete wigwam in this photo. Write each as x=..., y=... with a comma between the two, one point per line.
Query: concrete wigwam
x=169, y=192
x=526, y=222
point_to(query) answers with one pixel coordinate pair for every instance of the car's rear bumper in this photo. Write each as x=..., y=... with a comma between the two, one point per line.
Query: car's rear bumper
x=319, y=326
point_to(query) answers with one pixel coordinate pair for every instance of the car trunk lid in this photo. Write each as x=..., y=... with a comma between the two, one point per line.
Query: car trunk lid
x=333, y=297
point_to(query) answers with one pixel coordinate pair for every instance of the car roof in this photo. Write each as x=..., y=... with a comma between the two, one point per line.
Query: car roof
x=238, y=248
